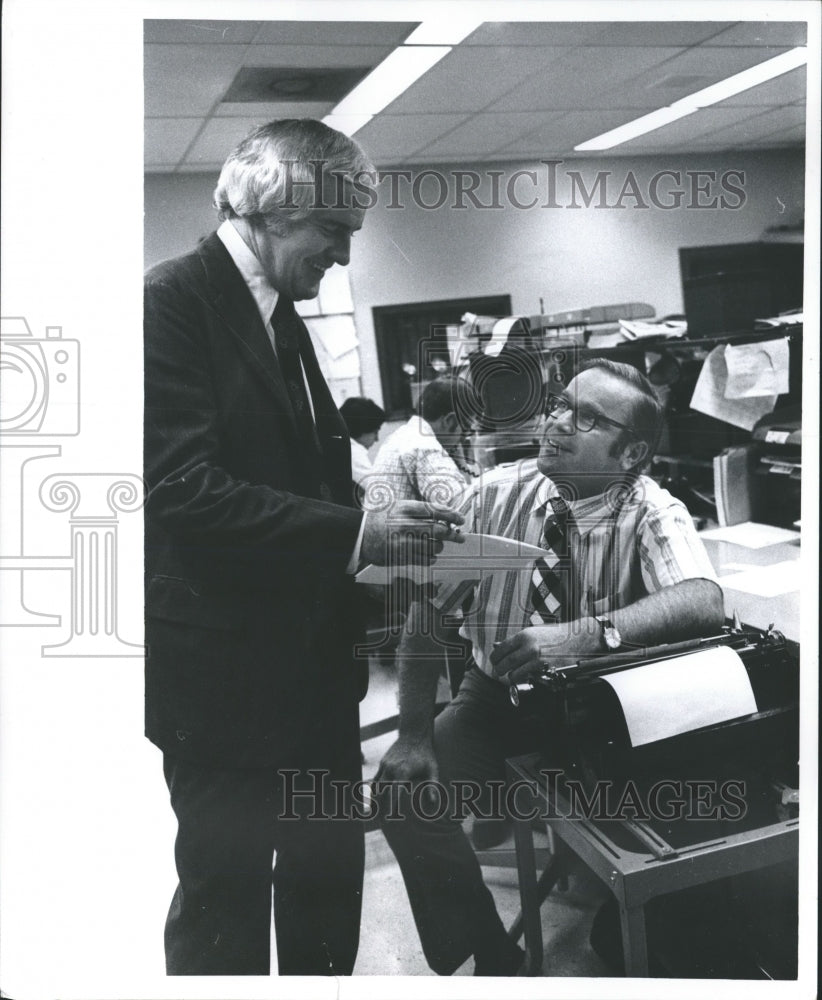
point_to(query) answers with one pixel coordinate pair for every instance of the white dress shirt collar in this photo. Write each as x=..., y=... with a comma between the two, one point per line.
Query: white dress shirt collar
x=250, y=268
x=587, y=511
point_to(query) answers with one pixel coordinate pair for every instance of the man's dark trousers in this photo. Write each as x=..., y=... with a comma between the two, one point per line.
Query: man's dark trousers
x=228, y=830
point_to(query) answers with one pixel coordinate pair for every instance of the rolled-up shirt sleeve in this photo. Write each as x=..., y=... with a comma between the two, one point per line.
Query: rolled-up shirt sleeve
x=670, y=549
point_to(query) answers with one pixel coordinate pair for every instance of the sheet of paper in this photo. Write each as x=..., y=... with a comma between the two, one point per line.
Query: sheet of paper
x=478, y=555
x=333, y=335
x=765, y=581
x=499, y=335
x=709, y=395
x=346, y=366
x=757, y=369
x=679, y=695
x=750, y=534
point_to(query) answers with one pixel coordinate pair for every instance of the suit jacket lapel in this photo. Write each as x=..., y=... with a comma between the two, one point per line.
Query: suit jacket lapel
x=236, y=307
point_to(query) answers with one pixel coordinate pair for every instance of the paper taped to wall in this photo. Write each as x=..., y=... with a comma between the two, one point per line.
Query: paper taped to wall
x=757, y=369
x=709, y=395
x=676, y=696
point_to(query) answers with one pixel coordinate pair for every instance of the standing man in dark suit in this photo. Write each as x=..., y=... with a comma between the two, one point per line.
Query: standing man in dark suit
x=250, y=546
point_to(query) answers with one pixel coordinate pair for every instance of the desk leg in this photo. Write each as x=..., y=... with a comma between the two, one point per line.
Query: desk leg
x=634, y=940
x=529, y=896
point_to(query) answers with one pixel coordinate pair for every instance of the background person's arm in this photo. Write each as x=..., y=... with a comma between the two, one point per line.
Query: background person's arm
x=420, y=658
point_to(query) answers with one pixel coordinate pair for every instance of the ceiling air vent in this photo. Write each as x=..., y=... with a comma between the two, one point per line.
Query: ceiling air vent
x=293, y=83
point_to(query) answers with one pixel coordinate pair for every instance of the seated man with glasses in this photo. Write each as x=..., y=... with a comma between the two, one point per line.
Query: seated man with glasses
x=624, y=567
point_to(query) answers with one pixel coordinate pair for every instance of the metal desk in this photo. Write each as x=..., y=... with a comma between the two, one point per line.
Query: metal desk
x=634, y=877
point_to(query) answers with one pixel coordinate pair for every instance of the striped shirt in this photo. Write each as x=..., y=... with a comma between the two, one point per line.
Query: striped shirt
x=623, y=546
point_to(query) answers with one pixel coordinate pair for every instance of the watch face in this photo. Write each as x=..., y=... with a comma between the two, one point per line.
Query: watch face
x=613, y=639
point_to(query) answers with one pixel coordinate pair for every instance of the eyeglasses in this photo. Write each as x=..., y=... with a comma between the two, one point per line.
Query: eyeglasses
x=584, y=420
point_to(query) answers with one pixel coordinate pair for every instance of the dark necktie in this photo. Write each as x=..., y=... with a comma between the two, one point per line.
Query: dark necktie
x=287, y=333
x=550, y=590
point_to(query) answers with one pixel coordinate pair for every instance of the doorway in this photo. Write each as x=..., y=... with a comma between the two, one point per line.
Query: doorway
x=412, y=346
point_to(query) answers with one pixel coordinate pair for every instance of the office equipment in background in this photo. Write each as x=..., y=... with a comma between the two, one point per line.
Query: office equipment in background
x=732, y=485
x=726, y=287
x=778, y=468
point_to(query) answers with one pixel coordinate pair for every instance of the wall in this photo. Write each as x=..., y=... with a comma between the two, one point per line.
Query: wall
x=617, y=249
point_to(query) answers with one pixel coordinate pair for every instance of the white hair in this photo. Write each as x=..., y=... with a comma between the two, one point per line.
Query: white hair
x=286, y=168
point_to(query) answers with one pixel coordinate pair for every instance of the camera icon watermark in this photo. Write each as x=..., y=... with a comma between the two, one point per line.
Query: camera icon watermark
x=39, y=381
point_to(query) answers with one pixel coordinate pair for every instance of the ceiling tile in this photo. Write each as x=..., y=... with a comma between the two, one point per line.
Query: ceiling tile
x=688, y=72
x=184, y=80
x=512, y=91
x=570, y=128
x=540, y=33
x=768, y=122
x=218, y=138
x=316, y=55
x=388, y=138
x=485, y=133
x=469, y=78
x=663, y=34
x=391, y=33
x=200, y=32
x=680, y=134
x=268, y=111
x=583, y=78
x=715, y=128
x=167, y=139
x=788, y=137
x=790, y=88
x=780, y=33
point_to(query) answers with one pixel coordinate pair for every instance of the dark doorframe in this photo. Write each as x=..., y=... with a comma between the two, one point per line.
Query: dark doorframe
x=413, y=336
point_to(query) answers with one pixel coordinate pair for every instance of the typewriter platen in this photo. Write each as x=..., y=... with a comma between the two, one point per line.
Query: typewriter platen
x=588, y=739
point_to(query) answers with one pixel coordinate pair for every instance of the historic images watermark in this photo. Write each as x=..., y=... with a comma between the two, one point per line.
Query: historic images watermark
x=554, y=185
x=314, y=795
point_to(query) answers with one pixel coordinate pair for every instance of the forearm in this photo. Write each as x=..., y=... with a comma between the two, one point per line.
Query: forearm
x=420, y=658
x=685, y=610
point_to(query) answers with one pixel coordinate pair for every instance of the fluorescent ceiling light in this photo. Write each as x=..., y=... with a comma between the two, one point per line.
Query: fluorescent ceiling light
x=425, y=46
x=747, y=78
x=387, y=81
x=701, y=99
x=347, y=124
x=441, y=32
x=639, y=126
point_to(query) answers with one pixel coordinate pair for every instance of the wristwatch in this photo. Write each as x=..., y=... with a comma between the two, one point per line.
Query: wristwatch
x=610, y=633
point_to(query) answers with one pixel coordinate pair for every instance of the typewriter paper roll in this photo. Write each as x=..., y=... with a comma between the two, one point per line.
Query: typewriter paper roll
x=682, y=694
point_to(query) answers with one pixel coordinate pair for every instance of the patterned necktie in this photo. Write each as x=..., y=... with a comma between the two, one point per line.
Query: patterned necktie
x=287, y=344
x=550, y=591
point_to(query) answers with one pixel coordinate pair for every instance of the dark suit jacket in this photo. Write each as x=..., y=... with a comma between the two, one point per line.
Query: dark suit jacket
x=250, y=617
